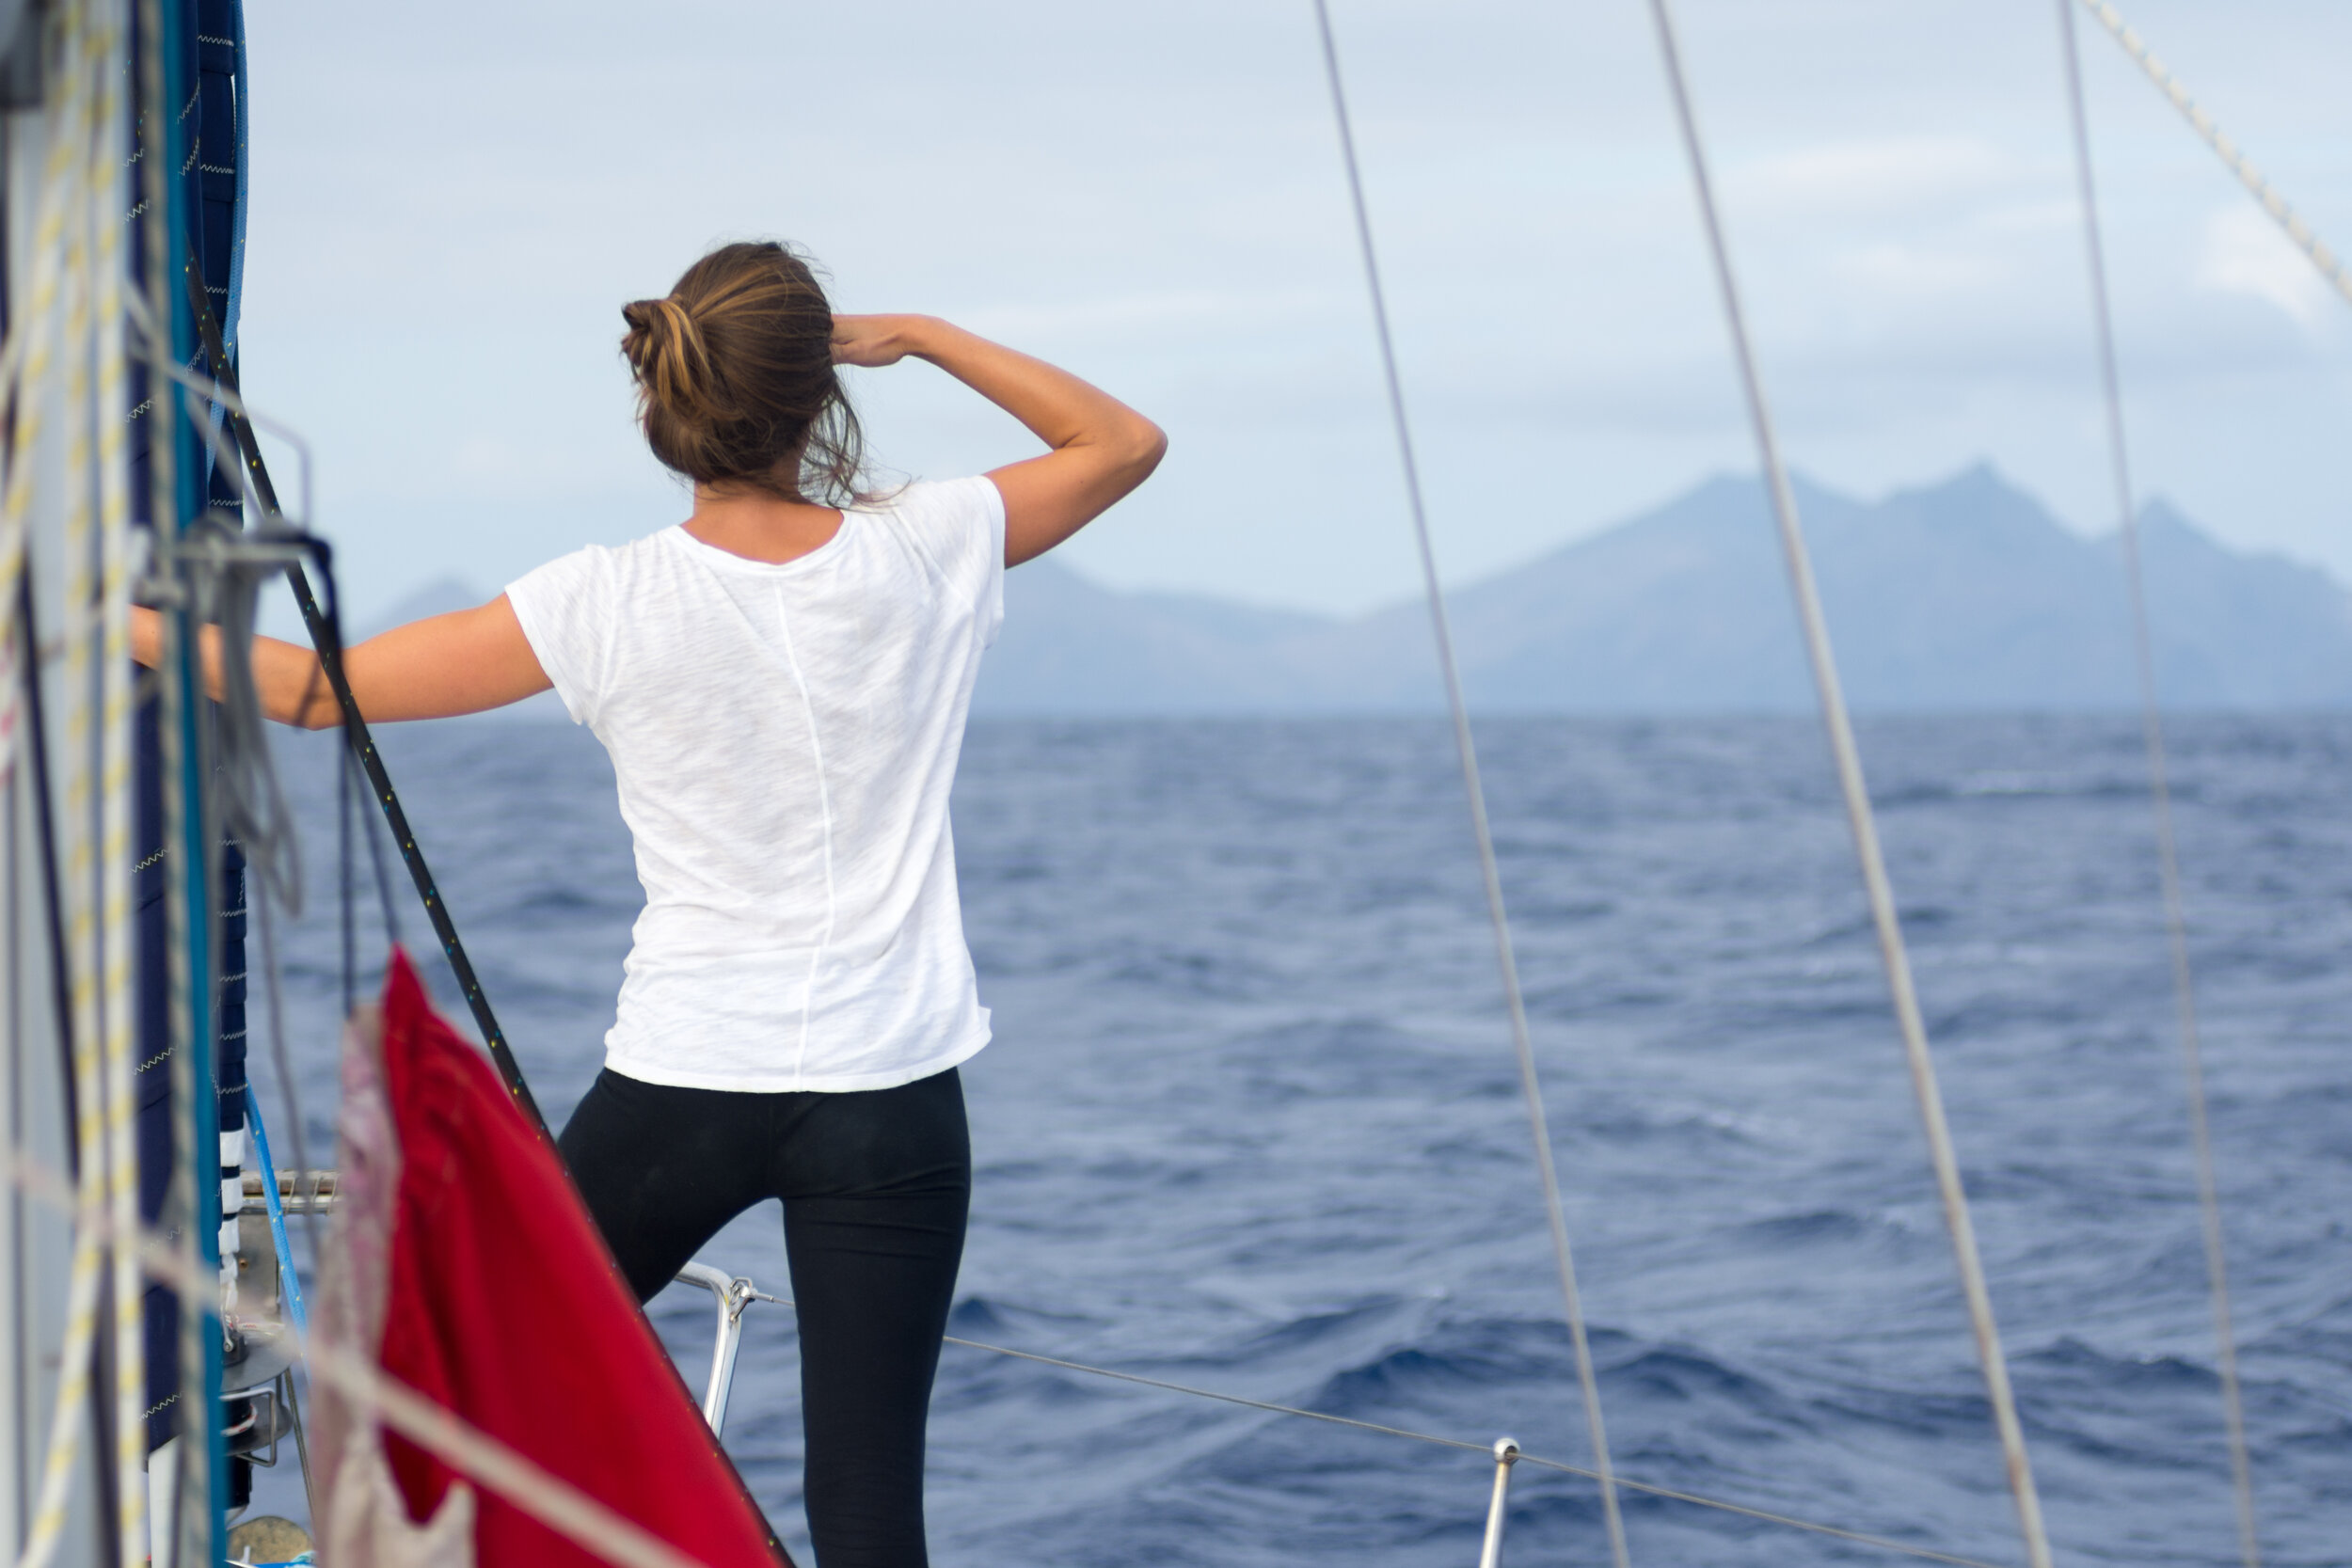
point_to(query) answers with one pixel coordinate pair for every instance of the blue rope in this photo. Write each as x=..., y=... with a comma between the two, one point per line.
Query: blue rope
x=290, y=1283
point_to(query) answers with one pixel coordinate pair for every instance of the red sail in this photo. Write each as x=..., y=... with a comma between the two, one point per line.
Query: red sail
x=504, y=1306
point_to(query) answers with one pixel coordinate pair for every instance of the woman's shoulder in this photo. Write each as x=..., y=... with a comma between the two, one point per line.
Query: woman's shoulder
x=953, y=529
x=594, y=568
x=974, y=494
x=944, y=517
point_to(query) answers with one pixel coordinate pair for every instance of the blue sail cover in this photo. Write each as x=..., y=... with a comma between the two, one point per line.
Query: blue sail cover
x=211, y=199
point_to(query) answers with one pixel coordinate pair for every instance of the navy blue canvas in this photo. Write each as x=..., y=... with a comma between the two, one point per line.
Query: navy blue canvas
x=210, y=181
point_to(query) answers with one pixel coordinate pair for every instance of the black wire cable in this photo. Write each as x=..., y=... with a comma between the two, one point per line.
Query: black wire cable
x=382, y=878
x=326, y=637
x=101, y=1416
x=343, y=882
x=45, y=826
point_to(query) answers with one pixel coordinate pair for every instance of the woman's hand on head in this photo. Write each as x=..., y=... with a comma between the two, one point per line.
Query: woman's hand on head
x=872, y=342
x=1100, y=447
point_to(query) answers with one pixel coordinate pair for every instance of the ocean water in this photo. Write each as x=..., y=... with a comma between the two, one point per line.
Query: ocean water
x=1251, y=1122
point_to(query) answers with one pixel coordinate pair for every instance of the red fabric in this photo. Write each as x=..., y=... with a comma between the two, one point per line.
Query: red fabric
x=505, y=1307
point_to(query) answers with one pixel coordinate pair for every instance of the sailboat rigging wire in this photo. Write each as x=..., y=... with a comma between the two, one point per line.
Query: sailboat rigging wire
x=1861, y=819
x=290, y=1099
x=80, y=1405
x=1483, y=1450
x=108, y=201
x=78, y=237
x=289, y=1095
x=142, y=316
x=346, y=913
x=2330, y=266
x=77, y=1395
x=383, y=879
x=1481, y=831
x=2160, y=805
x=224, y=577
x=325, y=632
x=36, y=773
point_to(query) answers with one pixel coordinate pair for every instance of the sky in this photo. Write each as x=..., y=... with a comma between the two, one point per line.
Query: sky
x=450, y=204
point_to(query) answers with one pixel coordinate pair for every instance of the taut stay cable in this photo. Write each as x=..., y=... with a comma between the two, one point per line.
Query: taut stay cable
x=2330, y=266
x=2160, y=802
x=1480, y=831
x=1864, y=824
x=1485, y=1450
x=326, y=637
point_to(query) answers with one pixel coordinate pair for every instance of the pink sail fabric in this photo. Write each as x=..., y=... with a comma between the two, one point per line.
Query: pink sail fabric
x=461, y=1252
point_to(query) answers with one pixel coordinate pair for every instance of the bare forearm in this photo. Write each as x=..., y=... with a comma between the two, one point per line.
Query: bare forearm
x=462, y=662
x=1059, y=409
x=292, y=686
x=1102, y=449
x=290, y=680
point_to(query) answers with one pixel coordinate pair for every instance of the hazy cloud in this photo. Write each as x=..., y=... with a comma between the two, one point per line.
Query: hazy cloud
x=452, y=201
x=2246, y=253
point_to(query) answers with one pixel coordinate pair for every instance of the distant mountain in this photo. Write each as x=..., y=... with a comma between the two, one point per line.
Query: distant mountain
x=1962, y=595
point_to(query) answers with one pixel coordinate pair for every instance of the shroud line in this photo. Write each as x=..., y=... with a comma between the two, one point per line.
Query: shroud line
x=2160, y=804
x=2330, y=266
x=1860, y=818
x=1484, y=1451
x=1505, y=960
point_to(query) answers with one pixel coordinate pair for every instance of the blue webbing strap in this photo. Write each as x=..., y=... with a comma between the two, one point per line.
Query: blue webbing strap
x=289, y=1282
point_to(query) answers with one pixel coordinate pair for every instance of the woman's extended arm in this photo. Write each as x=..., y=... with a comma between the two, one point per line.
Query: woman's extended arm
x=1102, y=447
x=435, y=668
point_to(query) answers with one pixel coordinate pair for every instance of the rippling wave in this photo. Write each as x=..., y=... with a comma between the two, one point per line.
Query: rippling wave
x=1251, y=1122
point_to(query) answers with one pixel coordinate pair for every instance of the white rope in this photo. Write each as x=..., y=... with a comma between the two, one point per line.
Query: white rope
x=31, y=367
x=1860, y=819
x=78, y=276
x=2160, y=801
x=2330, y=266
x=109, y=208
x=1505, y=960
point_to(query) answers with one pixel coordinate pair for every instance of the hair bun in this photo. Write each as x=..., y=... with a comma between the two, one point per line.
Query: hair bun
x=735, y=376
x=665, y=348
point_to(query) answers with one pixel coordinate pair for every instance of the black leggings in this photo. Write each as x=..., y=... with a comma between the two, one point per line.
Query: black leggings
x=875, y=1185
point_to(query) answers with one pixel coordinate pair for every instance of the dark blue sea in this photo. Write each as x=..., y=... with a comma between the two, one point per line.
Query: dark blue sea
x=1251, y=1122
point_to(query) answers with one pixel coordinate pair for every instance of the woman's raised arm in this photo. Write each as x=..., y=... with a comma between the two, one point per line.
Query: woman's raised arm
x=1102, y=447
x=435, y=668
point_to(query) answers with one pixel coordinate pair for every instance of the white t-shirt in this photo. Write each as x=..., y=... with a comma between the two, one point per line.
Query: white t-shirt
x=785, y=738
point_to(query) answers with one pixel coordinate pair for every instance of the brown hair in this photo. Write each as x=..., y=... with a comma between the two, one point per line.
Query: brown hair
x=735, y=374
